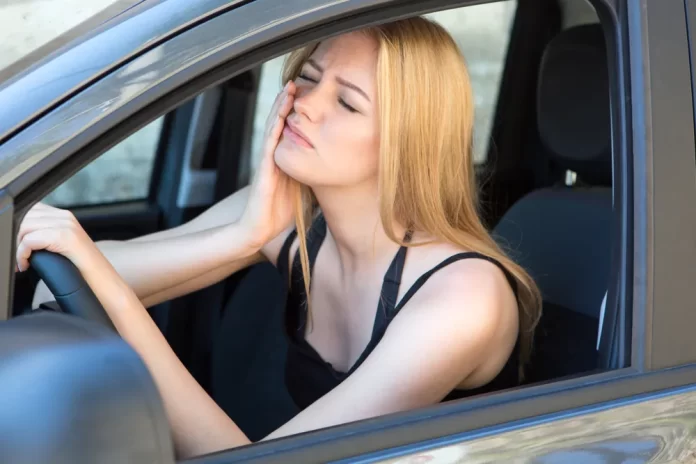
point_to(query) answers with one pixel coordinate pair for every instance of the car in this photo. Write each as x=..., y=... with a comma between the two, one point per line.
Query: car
x=586, y=156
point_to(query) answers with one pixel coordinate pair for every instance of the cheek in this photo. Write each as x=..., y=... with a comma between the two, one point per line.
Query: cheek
x=346, y=153
x=356, y=150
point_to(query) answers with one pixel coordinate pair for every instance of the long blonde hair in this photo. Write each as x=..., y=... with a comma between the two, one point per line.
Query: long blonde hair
x=426, y=173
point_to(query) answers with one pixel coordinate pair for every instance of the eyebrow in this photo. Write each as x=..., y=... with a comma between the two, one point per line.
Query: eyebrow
x=340, y=80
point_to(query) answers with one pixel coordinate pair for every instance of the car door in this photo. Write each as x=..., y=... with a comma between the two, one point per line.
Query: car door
x=640, y=408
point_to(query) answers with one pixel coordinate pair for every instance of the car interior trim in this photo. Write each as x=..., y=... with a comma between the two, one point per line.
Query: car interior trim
x=6, y=254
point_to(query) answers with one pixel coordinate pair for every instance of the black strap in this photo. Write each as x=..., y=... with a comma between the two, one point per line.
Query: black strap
x=458, y=257
x=390, y=286
x=315, y=237
x=392, y=282
x=283, y=261
x=381, y=328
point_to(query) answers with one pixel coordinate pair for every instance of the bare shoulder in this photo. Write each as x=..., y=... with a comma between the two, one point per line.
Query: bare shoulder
x=464, y=315
x=470, y=290
x=461, y=275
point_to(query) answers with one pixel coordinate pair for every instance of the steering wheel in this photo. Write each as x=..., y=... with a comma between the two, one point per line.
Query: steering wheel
x=72, y=293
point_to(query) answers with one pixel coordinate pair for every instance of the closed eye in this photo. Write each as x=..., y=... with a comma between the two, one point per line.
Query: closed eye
x=306, y=78
x=347, y=106
x=341, y=101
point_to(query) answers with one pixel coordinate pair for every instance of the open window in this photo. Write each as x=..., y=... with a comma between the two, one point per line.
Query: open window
x=544, y=80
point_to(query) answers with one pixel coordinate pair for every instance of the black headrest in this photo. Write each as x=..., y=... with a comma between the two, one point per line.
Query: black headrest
x=573, y=109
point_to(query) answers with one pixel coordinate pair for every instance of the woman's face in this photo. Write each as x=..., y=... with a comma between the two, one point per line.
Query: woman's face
x=335, y=110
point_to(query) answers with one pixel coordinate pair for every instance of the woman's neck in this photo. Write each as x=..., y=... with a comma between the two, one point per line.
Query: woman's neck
x=355, y=226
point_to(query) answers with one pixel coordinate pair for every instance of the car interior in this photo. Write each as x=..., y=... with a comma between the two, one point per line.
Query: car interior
x=546, y=187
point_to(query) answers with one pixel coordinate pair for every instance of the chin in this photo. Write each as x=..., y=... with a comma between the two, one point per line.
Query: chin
x=292, y=161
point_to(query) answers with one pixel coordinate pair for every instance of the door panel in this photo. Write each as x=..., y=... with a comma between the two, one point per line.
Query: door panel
x=657, y=430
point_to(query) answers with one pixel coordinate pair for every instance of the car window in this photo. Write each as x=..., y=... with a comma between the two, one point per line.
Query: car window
x=482, y=33
x=121, y=174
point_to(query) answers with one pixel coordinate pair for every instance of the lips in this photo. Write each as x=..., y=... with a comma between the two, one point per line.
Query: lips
x=297, y=135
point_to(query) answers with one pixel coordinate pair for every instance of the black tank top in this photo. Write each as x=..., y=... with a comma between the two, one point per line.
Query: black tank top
x=307, y=376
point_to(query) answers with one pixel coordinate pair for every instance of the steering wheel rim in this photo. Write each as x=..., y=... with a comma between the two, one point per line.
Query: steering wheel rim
x=72, y=293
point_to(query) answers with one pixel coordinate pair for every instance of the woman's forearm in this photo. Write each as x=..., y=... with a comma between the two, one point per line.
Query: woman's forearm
x=155, y=266
x=160, y=270
x=202, y=281
x=198, y=424
x=155, y=277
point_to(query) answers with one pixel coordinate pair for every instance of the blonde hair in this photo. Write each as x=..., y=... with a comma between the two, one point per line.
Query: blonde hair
x=426, y=173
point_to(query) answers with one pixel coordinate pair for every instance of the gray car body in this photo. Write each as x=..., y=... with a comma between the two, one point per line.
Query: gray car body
x=87, y=96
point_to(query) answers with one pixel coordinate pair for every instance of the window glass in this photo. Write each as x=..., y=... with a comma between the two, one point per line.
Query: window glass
x=482, y=33
x=121, y=174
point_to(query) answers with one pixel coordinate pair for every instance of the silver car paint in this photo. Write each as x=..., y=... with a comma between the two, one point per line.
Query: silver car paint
x=660, y=430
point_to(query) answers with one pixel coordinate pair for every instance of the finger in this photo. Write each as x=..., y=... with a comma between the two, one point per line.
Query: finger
x=48, y=213
x=33, y=224
x=274, y=131
x=276, y=104
x=40, y=210
x=41, y=205
x=286, y=106
x=277, y=130
x=44, y=239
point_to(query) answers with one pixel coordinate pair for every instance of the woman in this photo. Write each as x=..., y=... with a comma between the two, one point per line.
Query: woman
x=398, y=296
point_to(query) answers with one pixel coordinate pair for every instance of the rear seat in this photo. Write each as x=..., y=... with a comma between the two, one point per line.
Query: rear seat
x=562, y=233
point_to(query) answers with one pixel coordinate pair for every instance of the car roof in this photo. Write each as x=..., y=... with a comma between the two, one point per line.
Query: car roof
x=52, y=39
x=66, y=68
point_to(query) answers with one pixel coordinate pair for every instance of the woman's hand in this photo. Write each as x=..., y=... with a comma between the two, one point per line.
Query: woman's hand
x=47, y=228
x=269, y=208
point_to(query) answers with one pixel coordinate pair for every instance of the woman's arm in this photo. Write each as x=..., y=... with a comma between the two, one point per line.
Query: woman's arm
x=177, y=261
x=171, y=263
x=427, y=351
x=197, y=423
x=461, y=317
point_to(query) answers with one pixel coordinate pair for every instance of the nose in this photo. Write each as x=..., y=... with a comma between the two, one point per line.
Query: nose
x=309, y=102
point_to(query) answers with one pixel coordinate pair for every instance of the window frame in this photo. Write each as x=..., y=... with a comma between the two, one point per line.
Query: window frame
x=636, y=141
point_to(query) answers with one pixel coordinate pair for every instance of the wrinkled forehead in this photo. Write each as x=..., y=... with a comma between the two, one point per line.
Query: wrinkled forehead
x=353, y=52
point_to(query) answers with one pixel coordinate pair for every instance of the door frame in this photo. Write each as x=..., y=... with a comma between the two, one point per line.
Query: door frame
x=655, y=369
